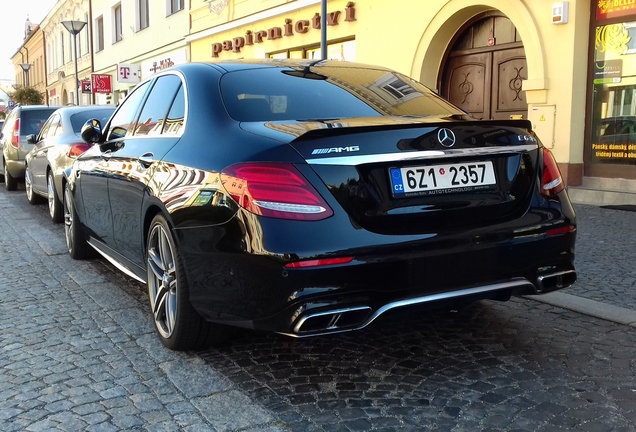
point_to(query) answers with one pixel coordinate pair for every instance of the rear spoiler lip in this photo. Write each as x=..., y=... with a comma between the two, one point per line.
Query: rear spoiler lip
x=409, y=123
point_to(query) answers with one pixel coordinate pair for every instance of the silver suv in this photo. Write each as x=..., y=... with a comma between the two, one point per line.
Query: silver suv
x=23, y=121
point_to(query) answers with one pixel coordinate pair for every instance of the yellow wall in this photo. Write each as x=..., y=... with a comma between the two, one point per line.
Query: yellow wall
x=412, y=37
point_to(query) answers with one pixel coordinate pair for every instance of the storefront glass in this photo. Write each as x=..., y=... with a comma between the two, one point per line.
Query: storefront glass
x=614, y=97
x=335, y=51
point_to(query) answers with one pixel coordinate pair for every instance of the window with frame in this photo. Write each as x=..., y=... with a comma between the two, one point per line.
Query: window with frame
x=50, y=126
x=176, y=116
x=62, y=48
x=125, y=118
x=99, y=34
x=155, y=110
x=175, y=6
x=143, y=16
x=117, y=23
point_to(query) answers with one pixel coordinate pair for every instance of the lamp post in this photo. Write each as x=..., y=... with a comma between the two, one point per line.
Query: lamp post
x=25, y=67
x=74, y=27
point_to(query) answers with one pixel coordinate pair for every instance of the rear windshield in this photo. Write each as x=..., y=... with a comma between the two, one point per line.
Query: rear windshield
x=79, y=119
x=31, y=121
x=321, y=93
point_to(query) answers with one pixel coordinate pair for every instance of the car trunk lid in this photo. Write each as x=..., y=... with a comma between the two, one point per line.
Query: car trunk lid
x=393, y=175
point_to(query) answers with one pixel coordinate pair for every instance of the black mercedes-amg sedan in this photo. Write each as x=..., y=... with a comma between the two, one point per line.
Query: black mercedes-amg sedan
x=308, y=198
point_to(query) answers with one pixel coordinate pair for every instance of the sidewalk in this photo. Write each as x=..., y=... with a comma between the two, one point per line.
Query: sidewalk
x=605, y=256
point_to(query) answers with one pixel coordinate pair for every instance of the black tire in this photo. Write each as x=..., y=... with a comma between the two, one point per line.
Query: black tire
x=32, y=197
x=78, y=247
x=56, y=209
x=178, y=325
x=10, y=182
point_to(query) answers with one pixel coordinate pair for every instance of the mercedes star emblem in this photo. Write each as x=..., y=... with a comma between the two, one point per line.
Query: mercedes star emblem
x=446, y=137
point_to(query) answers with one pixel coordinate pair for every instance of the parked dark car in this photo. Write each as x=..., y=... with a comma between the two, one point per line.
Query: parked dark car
x=55, y=148
x=309, y=198
x=23, y=120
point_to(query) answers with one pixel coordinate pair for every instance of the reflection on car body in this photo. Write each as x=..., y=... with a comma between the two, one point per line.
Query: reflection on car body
x=55, y=148
x=206, y=185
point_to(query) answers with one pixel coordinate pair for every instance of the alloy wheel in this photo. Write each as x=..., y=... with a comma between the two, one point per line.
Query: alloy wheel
x=27, y=186
x=162, y=281
x=51, y=190
x=68, y=219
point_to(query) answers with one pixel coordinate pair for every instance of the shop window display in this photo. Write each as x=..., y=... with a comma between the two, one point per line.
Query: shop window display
x=614, y=98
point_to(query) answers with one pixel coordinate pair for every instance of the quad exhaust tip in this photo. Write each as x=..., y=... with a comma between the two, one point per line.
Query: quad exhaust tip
x=359, y=316
x=555, y=281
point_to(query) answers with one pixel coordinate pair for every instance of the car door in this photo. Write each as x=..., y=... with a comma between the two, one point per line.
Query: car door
x=39, y=161
x=95, y=167
x=134, y=162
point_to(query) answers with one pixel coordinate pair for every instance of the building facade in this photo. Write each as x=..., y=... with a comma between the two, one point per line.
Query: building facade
x=63, y=86
x=133, y=39
x=29, y=60
x=565, y=66
x=497, y=60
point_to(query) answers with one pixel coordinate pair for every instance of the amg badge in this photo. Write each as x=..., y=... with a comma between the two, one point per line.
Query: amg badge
x=336, y=150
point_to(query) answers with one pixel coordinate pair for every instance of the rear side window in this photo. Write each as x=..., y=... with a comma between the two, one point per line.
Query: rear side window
x=124, y=120
x=156, y=107
x=31, y=121
x=320, y=93
x=49, y=128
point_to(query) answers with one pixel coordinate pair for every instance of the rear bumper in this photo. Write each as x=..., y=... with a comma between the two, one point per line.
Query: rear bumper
x=16, y=168
x=255, y=290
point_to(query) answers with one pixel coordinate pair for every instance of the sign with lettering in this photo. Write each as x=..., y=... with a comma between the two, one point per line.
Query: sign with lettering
x=615, y=8
x=128, y=73
x=101, y=83
x=608, y=71
x=164, y=61
x=289, y=28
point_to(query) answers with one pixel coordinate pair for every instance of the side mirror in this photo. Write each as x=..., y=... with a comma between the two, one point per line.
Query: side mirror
x=31, y=139
x=92, y=131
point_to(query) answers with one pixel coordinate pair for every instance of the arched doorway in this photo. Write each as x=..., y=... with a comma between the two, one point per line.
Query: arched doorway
x=484, y=69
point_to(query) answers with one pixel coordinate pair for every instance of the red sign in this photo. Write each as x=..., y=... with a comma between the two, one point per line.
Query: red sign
x=615, y=8
x=101, y=83
x=86, y=86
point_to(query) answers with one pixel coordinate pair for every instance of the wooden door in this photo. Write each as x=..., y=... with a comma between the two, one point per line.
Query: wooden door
x=509, y=71
x=468, y=83
x=487, y=84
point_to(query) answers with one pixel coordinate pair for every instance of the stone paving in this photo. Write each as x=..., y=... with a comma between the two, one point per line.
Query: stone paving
x=78, y=352
x=606, y=256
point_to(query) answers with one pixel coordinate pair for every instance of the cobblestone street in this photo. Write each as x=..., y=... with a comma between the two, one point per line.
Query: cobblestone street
x=78, y=352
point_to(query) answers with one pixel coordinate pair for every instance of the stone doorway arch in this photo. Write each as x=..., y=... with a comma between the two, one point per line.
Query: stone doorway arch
x=441, y=31
x=484, y=68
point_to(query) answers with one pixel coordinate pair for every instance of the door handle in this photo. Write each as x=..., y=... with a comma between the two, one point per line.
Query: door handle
x=147, y=159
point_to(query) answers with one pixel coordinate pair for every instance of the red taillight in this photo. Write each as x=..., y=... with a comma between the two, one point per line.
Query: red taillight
x=551, y=182
x=276, y=190
x=77, y=149
x=15, y=134
x=319, y=262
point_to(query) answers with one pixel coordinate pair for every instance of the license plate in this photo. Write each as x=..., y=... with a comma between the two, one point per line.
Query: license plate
x=441, y=179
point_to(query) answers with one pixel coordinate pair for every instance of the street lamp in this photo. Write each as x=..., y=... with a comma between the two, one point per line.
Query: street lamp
x=74, y=27
x=25, y=67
